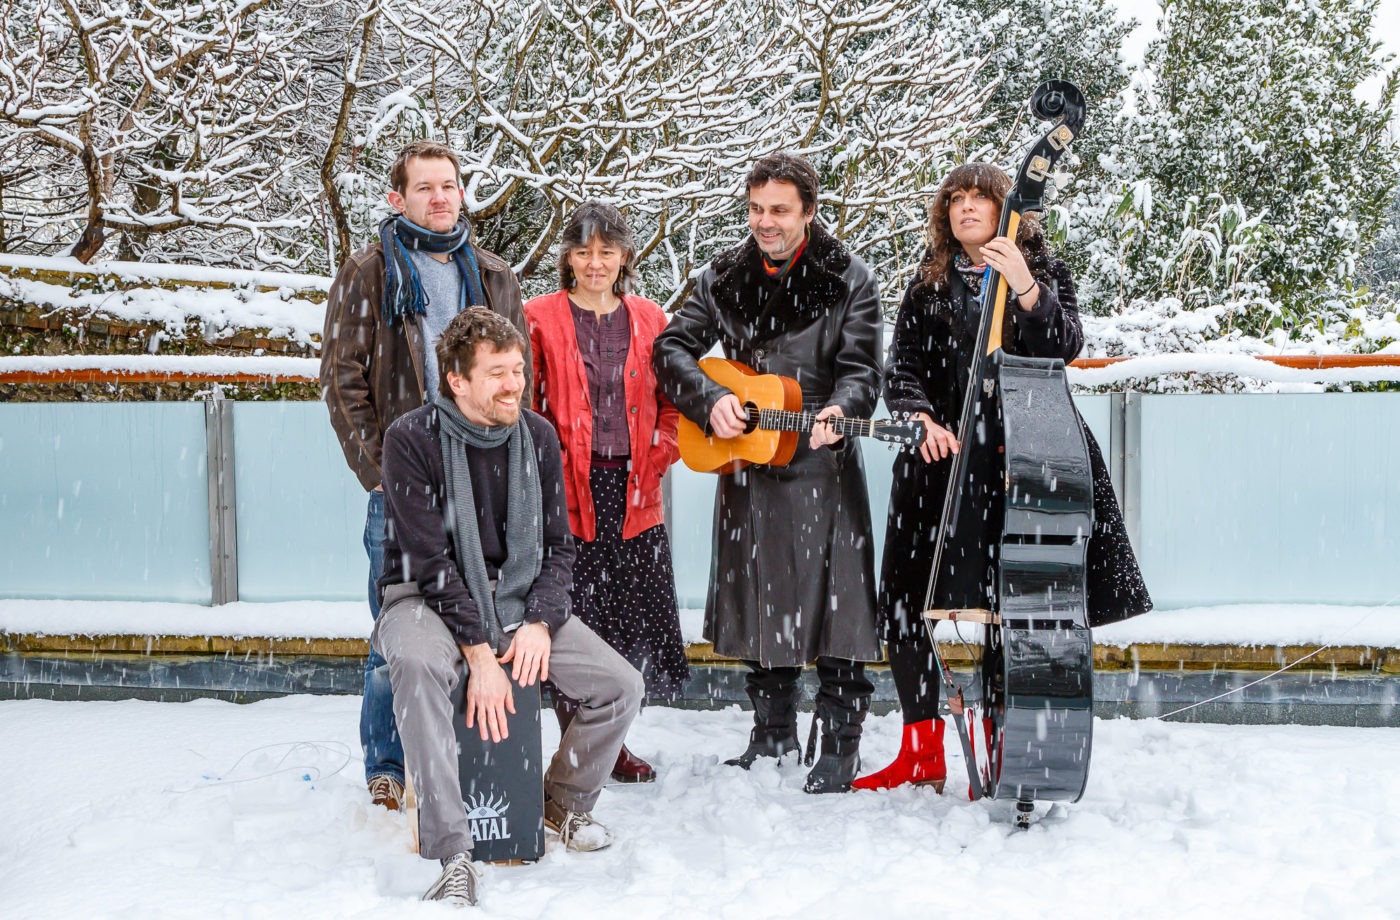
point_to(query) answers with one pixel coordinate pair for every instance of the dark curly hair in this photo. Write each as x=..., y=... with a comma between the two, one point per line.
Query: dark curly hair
x=597, y=218
x=787, y=167
x=456, y=347
x=937, y=263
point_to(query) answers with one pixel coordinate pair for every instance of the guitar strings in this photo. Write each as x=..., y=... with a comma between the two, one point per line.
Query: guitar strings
x=788, y=420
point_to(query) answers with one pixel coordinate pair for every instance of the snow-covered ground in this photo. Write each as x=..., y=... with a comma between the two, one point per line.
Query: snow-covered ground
x=210, y=810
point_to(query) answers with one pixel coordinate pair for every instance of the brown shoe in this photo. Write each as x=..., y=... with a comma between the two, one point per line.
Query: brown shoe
x=576, y=829
x=386, y=791
x=632, y=769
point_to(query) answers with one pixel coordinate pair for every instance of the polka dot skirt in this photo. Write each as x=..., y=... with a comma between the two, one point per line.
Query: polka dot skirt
x=625, y=590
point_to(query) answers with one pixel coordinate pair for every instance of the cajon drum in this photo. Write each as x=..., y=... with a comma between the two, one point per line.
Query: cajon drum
x=503, y=783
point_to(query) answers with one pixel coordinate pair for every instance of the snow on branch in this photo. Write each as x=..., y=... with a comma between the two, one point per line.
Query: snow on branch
x=149, y=119
x=662, y=107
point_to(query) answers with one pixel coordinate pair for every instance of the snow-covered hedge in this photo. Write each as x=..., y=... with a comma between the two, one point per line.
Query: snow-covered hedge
x=179, y=302
x=203, y=309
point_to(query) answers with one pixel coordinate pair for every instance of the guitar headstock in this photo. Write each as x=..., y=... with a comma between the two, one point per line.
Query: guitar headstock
x=906, y=432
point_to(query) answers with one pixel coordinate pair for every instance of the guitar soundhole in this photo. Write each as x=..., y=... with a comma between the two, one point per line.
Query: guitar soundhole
x=751, y=410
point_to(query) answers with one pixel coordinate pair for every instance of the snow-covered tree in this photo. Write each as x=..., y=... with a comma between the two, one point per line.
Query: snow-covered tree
x=1381, y=267
x=660, y=106
x=1027, y=44
x=1255, y=154
x=151, y=117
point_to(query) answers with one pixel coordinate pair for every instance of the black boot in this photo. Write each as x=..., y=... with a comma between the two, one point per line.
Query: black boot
x=774, y=731
x=839, y=761
x=765, y=742
x=842, y=703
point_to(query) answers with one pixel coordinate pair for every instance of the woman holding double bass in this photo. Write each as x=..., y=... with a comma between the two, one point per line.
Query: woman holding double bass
x=926, y=375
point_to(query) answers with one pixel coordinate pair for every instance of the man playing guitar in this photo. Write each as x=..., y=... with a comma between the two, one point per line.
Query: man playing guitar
x=793, y=572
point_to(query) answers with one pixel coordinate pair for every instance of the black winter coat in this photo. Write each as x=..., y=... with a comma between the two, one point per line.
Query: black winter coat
x=793, y=572
x=935, y=334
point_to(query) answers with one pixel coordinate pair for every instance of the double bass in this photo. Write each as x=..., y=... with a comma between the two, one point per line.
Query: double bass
x=1028, y=735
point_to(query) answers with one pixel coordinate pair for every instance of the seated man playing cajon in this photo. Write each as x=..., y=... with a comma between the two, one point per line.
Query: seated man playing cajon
x=477, y=567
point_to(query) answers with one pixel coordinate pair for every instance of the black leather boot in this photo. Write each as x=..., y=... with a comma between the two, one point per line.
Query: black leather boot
x=842, y=703
x=764, y=743
x=839, y=761
x=774, y=722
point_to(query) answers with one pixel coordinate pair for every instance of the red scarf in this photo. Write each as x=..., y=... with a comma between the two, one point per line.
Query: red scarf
x=778, y=272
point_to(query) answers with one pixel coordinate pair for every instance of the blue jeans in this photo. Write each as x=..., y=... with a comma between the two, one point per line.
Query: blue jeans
x=379, y=735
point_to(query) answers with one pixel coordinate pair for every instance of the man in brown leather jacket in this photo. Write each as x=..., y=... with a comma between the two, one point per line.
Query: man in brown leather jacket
x=388, y=304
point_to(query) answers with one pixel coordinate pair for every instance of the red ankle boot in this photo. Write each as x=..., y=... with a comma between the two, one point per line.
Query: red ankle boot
x=919, y=761
x=630, y=768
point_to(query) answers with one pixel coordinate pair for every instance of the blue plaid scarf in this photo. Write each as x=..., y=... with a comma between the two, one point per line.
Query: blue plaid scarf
x=403, y=289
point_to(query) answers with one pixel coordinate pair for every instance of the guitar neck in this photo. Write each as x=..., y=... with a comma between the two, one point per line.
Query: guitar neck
x=783, y=420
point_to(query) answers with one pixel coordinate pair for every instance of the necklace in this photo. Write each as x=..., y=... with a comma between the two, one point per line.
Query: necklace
x=601, y=308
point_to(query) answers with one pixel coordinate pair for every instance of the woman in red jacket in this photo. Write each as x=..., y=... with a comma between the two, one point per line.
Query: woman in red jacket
x=593, y=380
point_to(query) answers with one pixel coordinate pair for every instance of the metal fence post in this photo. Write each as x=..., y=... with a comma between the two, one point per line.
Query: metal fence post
x=1117, y=411
x=223, y=519
x=1130, y=492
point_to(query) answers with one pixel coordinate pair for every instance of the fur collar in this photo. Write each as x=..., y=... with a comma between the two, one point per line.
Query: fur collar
x=770, y=308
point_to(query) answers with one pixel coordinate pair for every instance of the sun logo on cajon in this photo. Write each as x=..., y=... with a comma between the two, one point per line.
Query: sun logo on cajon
x=487, y=816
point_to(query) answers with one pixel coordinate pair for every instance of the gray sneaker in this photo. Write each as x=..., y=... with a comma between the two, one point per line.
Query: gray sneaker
x=577, y=829
x=457, y=884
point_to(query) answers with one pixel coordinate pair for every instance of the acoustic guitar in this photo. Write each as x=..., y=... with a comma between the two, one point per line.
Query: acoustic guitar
x=775, y=422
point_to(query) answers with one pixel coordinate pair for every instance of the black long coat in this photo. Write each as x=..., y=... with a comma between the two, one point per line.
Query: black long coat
x=935, y=334
x=793, y=572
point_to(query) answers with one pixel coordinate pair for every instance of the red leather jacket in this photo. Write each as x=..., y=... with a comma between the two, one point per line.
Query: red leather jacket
x=561, y=395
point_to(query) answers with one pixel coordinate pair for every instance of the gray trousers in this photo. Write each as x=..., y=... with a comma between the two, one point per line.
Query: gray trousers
x=426, y=668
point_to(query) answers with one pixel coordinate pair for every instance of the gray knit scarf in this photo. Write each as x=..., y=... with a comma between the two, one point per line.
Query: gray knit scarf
x=504, y=609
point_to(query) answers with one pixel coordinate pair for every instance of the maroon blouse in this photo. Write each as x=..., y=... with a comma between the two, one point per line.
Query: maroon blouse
x=603, y=342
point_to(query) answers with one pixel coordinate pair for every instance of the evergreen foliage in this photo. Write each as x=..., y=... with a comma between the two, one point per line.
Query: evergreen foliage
x=1258, y=177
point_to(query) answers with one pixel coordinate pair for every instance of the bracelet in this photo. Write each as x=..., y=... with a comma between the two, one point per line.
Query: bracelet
x=1026, y=291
